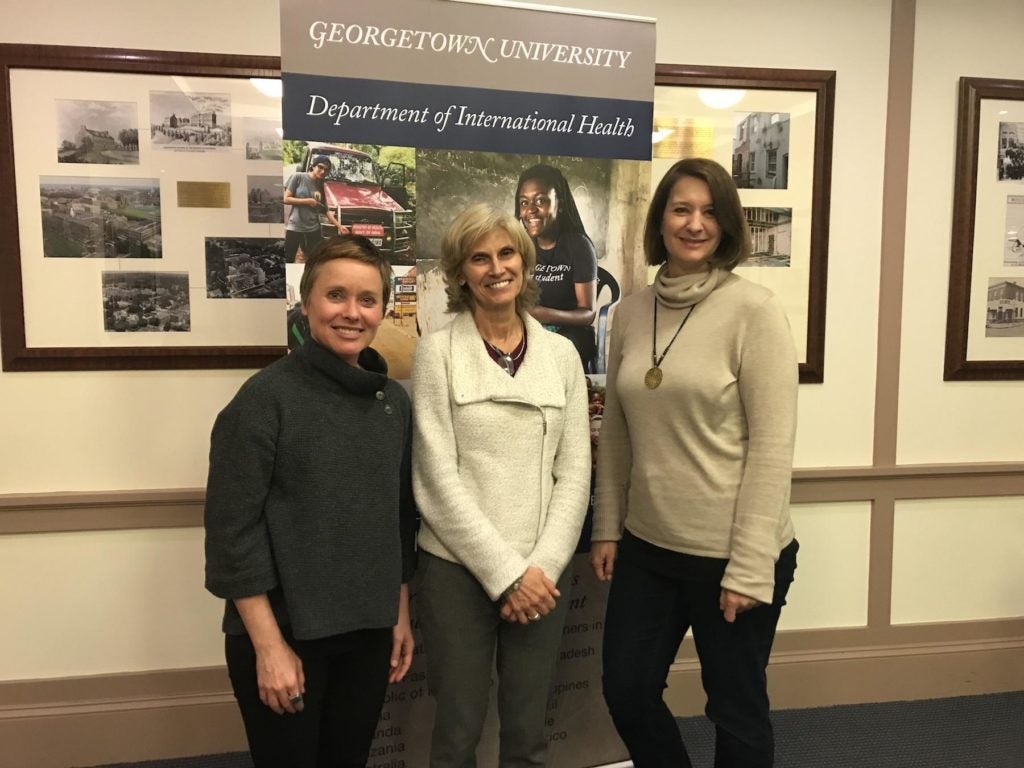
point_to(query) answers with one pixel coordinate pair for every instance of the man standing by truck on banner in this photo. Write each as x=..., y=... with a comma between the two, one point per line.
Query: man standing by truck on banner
x=304, y=192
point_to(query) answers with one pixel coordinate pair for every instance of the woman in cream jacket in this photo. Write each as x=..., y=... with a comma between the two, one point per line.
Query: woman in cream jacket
x=502, y=477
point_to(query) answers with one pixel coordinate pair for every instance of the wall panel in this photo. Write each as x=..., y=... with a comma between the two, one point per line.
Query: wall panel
x=106, y=601
x=965, y=420
x=958, y=560
x=831, y=586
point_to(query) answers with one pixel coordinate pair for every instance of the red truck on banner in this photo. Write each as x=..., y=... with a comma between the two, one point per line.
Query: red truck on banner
x=371, y=201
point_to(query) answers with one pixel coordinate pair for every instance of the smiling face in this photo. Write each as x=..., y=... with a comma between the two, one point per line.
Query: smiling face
x=345, y=307
x=493, y=272
x=689, y=229
x=538, y=210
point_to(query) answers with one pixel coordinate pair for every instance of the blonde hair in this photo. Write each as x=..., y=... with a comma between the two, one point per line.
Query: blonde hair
x=465, y=231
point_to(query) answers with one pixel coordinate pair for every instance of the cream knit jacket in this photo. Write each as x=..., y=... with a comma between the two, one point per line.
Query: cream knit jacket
x=702, y=464
x=501, y=464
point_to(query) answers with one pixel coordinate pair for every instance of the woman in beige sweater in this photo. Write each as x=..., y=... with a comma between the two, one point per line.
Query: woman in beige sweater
x=693, y=477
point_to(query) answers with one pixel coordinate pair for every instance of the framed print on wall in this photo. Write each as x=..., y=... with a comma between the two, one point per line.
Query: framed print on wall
x=773, y=129
x=985, y=318
x=118, y=168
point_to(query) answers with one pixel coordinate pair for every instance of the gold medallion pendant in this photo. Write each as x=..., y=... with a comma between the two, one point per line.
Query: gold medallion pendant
x=653, y=377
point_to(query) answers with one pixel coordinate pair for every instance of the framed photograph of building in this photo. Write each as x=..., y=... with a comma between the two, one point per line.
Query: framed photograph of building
x=985, y=317
x=772, y=128
x=96, y=148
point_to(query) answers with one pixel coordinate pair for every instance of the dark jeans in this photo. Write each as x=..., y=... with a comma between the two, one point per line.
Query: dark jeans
x=346, y=679
x=655, y=597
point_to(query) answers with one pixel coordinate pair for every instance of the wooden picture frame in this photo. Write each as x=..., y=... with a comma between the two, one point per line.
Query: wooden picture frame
x=811, y=169
x=988, y=216
x=57, y=61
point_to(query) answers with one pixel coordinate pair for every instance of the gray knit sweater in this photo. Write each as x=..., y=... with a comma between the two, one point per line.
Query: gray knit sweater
x=309, y=494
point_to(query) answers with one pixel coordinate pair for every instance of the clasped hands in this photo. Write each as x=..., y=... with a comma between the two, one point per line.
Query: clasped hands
x=532, y=600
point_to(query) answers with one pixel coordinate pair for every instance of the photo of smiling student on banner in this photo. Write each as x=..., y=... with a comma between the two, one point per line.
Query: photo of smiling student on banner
x=577, y=211
x=566, y=260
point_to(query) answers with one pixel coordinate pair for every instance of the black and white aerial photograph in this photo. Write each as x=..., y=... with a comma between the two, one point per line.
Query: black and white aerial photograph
x=760, y=150
x=1005, y=311
x=100, y=218
x=265, y=198
x=263, y=139
x=98, y=132
x=245, y=268
x=145, y=301
x=771, y=236
x=1013, y=249
x=190, y=122
x=1011, y=151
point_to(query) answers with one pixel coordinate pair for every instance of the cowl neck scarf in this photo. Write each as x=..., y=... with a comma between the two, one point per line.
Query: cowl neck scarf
x=685, y=290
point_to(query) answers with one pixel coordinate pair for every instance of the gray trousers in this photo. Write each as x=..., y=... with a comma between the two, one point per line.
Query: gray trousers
x=464, y=638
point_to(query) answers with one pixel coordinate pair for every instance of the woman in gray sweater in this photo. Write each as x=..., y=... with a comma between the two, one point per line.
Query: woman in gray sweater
x=693, y=476
x=310, y=525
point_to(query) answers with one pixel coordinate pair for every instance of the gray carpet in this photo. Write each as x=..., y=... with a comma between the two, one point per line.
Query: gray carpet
x=968, y=732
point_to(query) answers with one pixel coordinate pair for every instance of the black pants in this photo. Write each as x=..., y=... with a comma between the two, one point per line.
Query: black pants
x=655, y=597
x=346, y=679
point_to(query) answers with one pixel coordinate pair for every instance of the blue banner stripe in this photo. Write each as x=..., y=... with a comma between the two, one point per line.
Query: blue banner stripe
x=364, y=111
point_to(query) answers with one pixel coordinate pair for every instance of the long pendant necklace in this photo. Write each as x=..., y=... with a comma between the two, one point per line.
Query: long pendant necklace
x=509, y=360
x=654, y=375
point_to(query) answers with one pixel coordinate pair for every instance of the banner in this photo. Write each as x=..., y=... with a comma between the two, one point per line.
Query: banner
x=444, y=75
x=421, y=108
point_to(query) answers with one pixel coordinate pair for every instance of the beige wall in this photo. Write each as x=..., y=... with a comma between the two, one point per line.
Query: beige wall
x=132, y=600
x=949, y=421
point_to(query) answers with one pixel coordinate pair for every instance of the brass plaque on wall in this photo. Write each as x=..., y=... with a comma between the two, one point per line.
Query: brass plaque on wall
x=204, y=194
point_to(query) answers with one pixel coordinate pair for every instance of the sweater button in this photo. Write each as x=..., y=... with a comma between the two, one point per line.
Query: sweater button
x=380, y=395
x=387, y=409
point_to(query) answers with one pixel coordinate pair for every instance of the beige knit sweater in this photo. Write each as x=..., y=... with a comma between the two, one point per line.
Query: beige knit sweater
x=501, y=464
x=702, y=464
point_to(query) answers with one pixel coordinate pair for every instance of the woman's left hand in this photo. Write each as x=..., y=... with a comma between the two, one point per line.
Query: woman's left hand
x=733, y=603
x=402, y=644
x=534, y=598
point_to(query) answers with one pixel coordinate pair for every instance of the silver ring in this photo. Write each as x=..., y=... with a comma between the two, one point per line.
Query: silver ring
x=535, y=617
x=296, y=699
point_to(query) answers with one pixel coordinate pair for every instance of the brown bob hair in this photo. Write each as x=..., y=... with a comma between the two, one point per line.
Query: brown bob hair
x=353, y=247
x=463, y=233
x=735, y=243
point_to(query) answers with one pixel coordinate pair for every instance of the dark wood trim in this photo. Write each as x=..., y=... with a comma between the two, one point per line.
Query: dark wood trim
x=823, y=84
x=16, y=354
x=965, y=194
